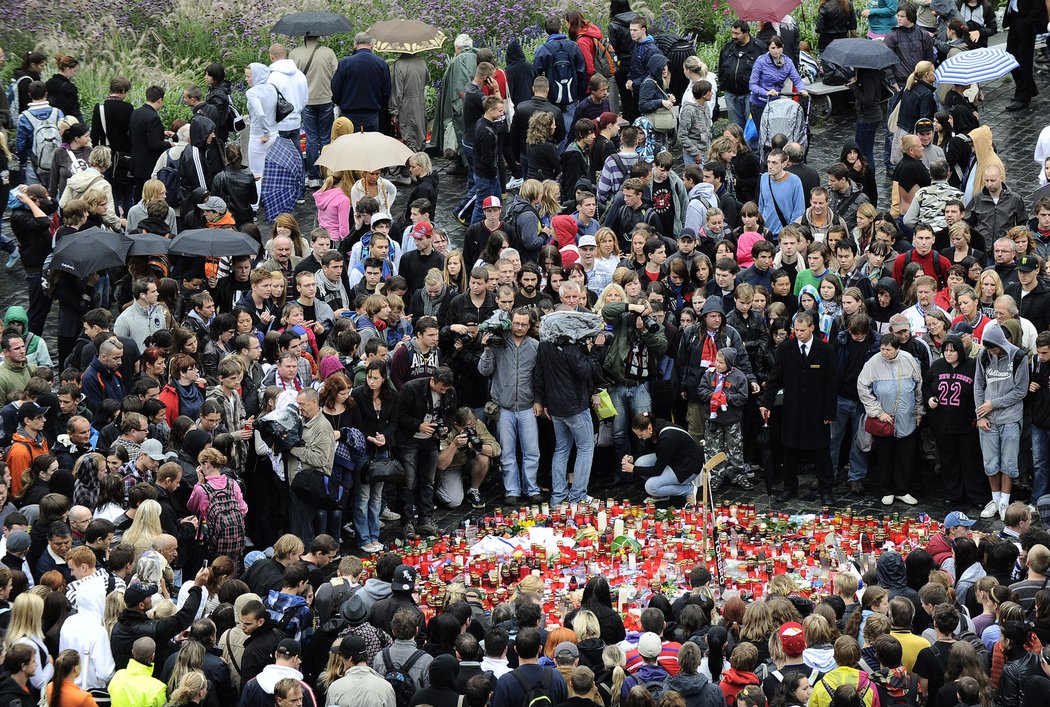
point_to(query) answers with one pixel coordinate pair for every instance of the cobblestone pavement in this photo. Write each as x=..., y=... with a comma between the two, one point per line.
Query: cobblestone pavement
x=1015, y=137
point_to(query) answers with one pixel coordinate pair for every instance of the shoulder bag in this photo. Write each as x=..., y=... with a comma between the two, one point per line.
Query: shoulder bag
x=383, y=469
x=876, y=427
x=663, y=119
x=122, y=169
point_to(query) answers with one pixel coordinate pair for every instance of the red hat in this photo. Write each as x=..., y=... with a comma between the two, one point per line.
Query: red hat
x=792, y=639
x=423, y=229
x=491, y=202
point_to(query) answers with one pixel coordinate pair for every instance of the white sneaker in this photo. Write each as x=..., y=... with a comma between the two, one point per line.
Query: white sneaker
x=515, y=183
x=388, y=514
x=656, y=499
x=1002, y=510
x=908, y=498
x=887, y=500
x=991, y=509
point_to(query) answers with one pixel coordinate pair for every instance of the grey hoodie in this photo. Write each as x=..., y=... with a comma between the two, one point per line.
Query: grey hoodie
x=696, y=210
x=373, y=591
x=511, y=368
x=997, y=381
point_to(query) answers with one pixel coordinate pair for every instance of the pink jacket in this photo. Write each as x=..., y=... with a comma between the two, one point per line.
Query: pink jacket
x=333, y=212
x=198, y=503
x=743, y=248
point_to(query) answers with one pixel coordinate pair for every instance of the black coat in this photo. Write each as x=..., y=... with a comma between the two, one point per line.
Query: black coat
x=147, y=140
x=263, y=576
x=413, y=403
x=520, y=125
x=1035, y=307
x=62, y=94
x=809, y=393
x=258, y=650
x=237, y=187
x=118, y=124
x=132, y=625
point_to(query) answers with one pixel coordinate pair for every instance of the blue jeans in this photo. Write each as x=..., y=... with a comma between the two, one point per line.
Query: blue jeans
x=1000, y=446
x=576, y=429
x=419, y=457
x=569, y=114
x=367, y=504
x=850, y=414
x=1040, y=461
x=627, y=400
x=363, y=122
x=317, y=122
x=864, y=135
x=737, y=106
x=484, y=187
x=667, y=483
x=518, y=428
x=304, y=520
x=688, y=159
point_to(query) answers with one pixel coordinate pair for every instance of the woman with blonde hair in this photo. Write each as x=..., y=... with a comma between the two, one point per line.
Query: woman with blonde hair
x=333, y=205
x=588, y=634
x=918, y=100
x=609, y=680
x=93, y=179
x=152, y=190
x=340, y=126
x=189, y=659
x=380, y=188
x=989, y=288
x=544, y=162
x=25, y=627
x=606, y=258
x=144, y=528
x=192, y=690
x=425, y=182
x=454, y=272
x=286, y=225
x=113, y=609
x=611, y=293
x=530, y=586
x=333, y=670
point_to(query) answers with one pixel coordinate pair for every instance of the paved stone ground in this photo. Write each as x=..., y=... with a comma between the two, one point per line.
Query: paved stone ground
x=1015, y=136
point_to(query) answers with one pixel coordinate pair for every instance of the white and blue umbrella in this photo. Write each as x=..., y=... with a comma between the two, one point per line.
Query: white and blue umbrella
x=975, y=66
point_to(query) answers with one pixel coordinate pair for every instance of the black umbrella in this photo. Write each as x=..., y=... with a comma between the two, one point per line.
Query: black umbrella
x=212, y=243
x=148, y=244
x=859, y=53
x=90, y=251
x=312, y=24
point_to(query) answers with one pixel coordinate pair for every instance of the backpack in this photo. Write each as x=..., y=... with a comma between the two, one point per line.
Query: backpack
x=399, y=678
x=604, y=57
x=656, y=688
x=224, y=525
x=46, y=139
x=1020, y=357
x=984, y=656
x=563, y=74
x=909, y=699
x=538, y=694
x=169, y=175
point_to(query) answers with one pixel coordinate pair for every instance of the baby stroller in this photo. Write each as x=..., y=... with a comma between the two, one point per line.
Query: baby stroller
x=783, y=115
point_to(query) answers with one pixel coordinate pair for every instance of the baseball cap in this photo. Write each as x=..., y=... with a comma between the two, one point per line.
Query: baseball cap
x=423, y=229
x=213, y=203
x=923, y=125
x=957, y=518
x=566, y=649
x=792, y=638
x=606, y=119
x=18, y=541
x=899, y=322
x=1028, y=263
x=650, y=645
x=252, y=557
x=687, y=233
x=587, y=241
x=491, y=202
x=289, y=647
x=379, y=216
x=404, y=579
x=31, y=410
x=153, y=450
x=138, y=592
x=349, y=645
x=962, y=328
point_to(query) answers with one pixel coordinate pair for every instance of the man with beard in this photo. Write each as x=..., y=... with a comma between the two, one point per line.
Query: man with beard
x=528, y=286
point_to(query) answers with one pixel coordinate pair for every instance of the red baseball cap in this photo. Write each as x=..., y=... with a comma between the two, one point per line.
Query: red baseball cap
x=491, y=202
x=792, y=638
x=423, y=229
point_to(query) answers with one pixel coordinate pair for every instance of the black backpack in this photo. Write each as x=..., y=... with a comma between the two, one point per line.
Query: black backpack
x=538, y=694
x=563, y=74
x=400, y=678
x=910, y=698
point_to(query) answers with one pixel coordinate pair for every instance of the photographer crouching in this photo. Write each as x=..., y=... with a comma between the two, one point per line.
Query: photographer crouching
x=469, y=446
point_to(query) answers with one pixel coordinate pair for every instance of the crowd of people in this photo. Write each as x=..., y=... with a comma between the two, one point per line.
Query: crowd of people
x=191, y=458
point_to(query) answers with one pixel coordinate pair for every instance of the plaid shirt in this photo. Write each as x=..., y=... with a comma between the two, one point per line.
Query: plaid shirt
x=133, y=476
x=290, y=614
x=282, y=180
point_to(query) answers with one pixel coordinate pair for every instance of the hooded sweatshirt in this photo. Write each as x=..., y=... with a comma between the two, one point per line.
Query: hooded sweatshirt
x=893, y=577
x=701, y=198
x=725, y=394
x=954, y=413
x=820, y=657
x=91, y=180
x=374, y=590
x=36, y=348
x=520, y=72
x=880, y=316
x=333, y=211
x=733, y=681
x=85, y=633
x=262, y=102
x=286, y=77
x=1001, y=380
x=652, y=93
x=201, y=160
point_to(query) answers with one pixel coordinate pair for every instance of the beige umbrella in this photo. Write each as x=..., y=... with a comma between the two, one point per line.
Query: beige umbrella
x=365, y=152
x=405, y=36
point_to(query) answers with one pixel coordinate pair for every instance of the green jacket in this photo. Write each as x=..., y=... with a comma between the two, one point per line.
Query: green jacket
x=616, y=314
x=13, y=380
x=135, y=686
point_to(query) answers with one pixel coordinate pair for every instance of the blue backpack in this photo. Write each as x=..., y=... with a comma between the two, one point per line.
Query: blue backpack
x=169, y=175
x=563, y=78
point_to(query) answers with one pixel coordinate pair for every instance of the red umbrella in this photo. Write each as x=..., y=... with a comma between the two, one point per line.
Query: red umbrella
x=763, y=10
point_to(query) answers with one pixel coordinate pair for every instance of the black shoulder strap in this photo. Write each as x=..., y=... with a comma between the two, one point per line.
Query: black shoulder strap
x=619, y=163
x=310, y=61
x=773, y=196
x=407, y=665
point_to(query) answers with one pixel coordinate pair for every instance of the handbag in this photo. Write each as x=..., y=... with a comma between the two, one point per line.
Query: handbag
x=385, y=470
x=605, y=435
x=282, y=108
x=605, y=409
x=319, y=489
x=123, y=167
x=664, y=119
x=876, y=427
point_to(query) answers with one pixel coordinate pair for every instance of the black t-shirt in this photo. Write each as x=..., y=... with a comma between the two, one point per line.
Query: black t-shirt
x=911, y=172
x=473, y=109
x=663, y=204
x=931, y=663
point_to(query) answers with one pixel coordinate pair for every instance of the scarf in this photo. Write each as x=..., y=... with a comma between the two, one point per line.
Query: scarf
x=894, y=680
x=708, y=351
x=718, y=397
x=431, y=305
x=328, y=292
x=86, y=486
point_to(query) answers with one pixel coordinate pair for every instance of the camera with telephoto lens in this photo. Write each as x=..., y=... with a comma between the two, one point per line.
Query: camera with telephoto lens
x=497, y=331
x=440, y=429
x=651, y=325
